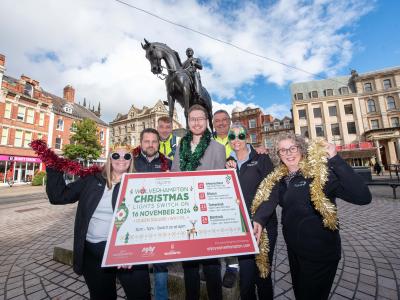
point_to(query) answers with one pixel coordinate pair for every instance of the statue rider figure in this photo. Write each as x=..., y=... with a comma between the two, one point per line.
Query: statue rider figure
x=192, y=64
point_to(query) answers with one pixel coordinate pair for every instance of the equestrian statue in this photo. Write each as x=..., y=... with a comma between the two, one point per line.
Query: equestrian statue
x=183, y=81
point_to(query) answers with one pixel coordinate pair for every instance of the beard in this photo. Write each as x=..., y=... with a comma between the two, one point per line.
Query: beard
x=149, y=151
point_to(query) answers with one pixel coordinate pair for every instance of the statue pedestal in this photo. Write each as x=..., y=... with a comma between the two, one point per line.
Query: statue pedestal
x=63, y=253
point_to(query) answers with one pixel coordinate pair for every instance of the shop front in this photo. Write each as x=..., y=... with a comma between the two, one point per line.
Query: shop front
x=18, y=169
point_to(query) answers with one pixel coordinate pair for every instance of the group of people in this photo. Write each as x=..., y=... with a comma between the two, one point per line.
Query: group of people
x=313, y=249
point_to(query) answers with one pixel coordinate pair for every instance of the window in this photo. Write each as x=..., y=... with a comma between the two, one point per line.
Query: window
x=28, y=139
x=253, y=138
x=368, y=87
x=28, y=89
x=302, y=114
x=21, y=113
x=374, y=124
x=328, y=92
x=286, y=124
x=371, y=105
x=387, y=84
x=30, y=115
x=313, y=94
x=266, y=127
x=332, y=111
x=41, y=119
x=7, y=110
x=317, y=112
x=276, y=125
x=348, y=109
x=40, y=136
x=299, y=96
x=344, y=90
x=60, y=124
x=351, y=128
x=319, y=129
x=4, y=136
x=304, y=131
x=391, y=104
x=269, y=144
x=58, y=143
x=335, y=129
x=102, y=135
x=74, y=127
x=252, y=123
x=395, y=122
x=18, y=138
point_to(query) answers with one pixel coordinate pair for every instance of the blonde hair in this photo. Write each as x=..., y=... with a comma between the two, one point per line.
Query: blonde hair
x=108, y=171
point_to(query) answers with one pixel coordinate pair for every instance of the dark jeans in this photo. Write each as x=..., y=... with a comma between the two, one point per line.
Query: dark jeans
x=249, y=276
x=212, y=272
x=311, y=279
x=102, y=281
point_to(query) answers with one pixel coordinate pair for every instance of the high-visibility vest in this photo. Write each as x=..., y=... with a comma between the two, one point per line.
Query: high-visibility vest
x=224, y=142
x=168, y=147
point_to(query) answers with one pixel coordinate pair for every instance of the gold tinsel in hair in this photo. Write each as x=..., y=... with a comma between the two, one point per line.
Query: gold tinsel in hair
x=315, y=167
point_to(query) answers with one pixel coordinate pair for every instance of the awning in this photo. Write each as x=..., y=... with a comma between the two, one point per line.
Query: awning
x=359, y=153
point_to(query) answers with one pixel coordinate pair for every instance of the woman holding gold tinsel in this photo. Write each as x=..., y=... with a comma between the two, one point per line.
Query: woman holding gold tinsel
x=306, y=183
x=251, y=169
x=96, y=194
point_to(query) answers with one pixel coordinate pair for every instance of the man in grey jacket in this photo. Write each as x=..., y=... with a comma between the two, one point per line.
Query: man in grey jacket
x=198, y=151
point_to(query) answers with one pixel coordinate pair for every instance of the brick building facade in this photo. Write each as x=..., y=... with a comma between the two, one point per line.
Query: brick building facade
x=27, y=112
x=252, y=119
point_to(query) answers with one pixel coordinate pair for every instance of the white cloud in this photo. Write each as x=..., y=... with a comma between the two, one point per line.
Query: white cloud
x=97, y=45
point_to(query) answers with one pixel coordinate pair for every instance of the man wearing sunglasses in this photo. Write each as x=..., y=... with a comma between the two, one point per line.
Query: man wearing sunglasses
x=149, y=159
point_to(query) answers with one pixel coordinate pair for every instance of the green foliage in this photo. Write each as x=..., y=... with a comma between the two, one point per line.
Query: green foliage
x=84, y=143
x=38, y=178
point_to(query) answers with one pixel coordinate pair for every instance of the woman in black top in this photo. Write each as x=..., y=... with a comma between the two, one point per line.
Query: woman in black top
x=251, y=169
x=309, y=220
x=97, y=195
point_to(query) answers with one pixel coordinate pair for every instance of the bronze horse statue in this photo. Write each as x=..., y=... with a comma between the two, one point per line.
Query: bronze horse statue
x=179, y=83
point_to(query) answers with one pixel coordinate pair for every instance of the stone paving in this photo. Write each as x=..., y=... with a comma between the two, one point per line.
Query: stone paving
x=369, y=269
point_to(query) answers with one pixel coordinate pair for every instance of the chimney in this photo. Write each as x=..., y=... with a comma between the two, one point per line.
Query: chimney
x=69, y=93
x=2, y=60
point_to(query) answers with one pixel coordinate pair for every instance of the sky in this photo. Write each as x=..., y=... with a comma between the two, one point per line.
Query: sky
x=95, y=45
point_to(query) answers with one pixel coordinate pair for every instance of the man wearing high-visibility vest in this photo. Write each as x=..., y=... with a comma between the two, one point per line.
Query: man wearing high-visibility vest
x=222, y=123
x=168, y=141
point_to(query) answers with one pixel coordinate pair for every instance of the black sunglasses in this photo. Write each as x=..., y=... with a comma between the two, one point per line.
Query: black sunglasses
x=116, y=156
x=240, y=136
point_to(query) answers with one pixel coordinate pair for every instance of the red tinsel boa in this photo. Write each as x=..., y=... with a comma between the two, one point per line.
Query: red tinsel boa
x=164, y=161
x=61, y=164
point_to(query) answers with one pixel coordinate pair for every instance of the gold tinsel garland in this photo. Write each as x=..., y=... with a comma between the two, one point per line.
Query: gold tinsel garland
x=313, y=166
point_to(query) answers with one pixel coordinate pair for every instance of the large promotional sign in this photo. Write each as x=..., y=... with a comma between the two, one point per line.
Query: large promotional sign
x=177, y=216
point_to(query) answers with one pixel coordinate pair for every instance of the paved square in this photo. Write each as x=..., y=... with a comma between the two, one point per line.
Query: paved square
x=369, y=269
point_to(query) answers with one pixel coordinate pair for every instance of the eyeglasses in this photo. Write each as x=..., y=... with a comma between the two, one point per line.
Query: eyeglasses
x=198, y=120
x=116, y=156
x=240, y=136
x=291, y=149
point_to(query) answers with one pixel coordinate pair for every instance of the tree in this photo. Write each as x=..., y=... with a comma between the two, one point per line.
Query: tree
x=84, y=143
